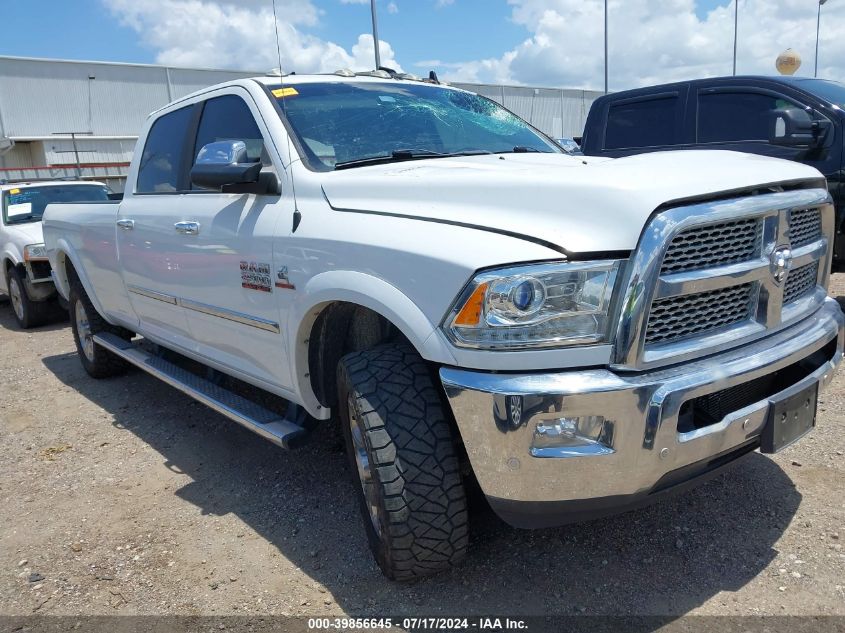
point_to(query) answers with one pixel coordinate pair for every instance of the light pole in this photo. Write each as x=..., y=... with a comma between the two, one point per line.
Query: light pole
x=736, y=30
x=605, y=46
x=818, y=28
x=375, y=33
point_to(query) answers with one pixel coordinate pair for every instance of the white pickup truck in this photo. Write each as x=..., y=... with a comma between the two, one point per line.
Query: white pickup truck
x=25, y=274
x=578, y=336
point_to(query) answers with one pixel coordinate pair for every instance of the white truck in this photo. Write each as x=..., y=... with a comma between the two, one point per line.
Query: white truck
x=25, y=274
x=471, y=304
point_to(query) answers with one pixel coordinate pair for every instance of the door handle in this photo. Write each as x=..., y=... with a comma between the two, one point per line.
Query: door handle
x=126, y=225
x=187, y=228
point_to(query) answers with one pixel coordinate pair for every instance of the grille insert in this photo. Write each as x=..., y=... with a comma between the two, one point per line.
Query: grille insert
x=800, y=282
x=696, y=314
x=805, y=226
x=713, y=245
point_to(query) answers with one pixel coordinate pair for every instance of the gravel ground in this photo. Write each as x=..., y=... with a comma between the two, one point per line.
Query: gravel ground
x=125, y=497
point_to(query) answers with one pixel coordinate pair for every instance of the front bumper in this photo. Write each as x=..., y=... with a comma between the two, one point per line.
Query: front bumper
x=633, y=450
x=39, y=280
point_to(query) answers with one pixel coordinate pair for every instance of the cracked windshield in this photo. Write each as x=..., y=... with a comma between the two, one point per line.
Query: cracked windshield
x=343, y=125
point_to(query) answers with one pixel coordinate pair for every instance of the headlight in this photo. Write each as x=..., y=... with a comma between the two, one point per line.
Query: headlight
x=545, y=305
x=34, y=251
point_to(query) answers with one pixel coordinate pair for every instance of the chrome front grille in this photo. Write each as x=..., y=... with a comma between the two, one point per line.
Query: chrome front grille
x=717, y=274
x=805, y=226
x=713, y=245
x=800, y=282
x=688, y=315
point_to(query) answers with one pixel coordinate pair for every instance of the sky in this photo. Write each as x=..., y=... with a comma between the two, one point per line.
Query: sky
x=557, y=43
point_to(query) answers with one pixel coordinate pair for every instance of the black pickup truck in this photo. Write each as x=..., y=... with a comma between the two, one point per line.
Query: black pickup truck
x=794, y=118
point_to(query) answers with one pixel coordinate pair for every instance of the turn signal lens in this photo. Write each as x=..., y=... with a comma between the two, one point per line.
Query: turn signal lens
x=470, y=314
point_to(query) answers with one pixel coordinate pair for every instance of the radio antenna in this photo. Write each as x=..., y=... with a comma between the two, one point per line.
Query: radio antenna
x=278, y=46
x=297, y=216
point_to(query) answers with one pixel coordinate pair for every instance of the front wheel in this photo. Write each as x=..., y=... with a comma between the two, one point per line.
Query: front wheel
x=404, y=462
x=85, y=322
x=28, y=313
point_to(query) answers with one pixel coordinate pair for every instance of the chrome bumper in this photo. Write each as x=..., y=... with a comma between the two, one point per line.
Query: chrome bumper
x=627, y=442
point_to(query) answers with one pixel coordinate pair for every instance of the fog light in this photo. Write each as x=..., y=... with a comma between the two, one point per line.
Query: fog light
x=568, y=437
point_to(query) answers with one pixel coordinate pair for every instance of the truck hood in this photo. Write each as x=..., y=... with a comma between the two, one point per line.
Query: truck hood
x=578, y=204
x=23, y=234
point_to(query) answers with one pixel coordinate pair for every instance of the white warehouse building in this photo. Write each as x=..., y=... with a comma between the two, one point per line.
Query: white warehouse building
x=66, y=119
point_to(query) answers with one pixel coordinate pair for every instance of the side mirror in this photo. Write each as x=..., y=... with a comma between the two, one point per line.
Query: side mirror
x=794, y=127
x=225, y=165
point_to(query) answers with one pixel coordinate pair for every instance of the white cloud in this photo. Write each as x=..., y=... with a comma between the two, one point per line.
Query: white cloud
x=240, y=34
x=653, y=41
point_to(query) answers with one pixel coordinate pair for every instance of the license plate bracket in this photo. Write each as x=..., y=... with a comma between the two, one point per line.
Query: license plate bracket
x=791, y=417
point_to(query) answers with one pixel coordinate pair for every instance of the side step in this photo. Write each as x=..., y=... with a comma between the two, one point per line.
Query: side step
x=286, y=432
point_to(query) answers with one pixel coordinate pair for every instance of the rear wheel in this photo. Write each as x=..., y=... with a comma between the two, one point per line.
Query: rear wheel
x=404, y=461
x=28, y=313
x=86, y=322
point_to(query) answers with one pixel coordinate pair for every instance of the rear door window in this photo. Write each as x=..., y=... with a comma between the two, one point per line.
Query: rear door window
x=725, y=117
x=161, y=165
x=643, y=122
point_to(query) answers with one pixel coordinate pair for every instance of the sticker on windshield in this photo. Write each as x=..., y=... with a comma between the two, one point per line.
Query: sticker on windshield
x=19, y=210
x=281, y=93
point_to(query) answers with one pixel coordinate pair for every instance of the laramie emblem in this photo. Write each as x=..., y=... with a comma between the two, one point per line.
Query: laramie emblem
x=781, y=262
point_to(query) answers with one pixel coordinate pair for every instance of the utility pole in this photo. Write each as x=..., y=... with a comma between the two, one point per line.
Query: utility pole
x=375, y=33
x=736, y=30
x=818, y=29
x=605, y=47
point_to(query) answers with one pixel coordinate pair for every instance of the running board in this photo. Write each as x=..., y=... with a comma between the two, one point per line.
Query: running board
x=286, y=432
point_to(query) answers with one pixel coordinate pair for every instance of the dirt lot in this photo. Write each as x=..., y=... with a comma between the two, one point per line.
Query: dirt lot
x=125, y=497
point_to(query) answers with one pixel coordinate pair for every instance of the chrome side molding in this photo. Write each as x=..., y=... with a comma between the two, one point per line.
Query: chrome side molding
x=152, y=294
x=222, y=313
x=231, y=315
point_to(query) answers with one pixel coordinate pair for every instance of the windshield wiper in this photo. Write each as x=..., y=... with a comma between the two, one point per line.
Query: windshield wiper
x=523, y=149
x=400, y=155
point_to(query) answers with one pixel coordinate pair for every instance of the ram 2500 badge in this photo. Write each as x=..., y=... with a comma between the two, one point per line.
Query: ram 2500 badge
x=467, y=301
x=26, y=271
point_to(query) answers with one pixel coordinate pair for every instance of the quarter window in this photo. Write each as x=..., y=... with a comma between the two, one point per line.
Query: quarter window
x=161, y=161
x=724, y=117
x=642, y=123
